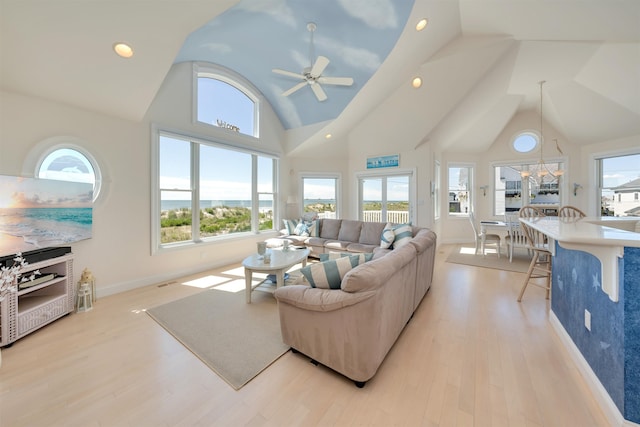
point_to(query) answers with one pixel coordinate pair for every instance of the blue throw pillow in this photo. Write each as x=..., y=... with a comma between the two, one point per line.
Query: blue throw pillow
x=290, y=225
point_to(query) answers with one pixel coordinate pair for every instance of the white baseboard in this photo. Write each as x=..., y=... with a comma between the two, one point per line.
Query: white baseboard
x=609, y=408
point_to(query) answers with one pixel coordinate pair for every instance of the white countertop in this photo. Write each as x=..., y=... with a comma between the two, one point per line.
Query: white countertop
x=600, y=231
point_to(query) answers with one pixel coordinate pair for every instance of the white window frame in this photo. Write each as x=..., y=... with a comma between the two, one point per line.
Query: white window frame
x=49, y=146
x=411, y=173
x=219, y=73
x=471, y=193
x=321, y=175
x=156, y=245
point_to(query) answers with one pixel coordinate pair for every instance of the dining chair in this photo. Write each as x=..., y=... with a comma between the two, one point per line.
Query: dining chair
x=540, y=266
x=570, y=212
x=483, y=240
x=515, y=237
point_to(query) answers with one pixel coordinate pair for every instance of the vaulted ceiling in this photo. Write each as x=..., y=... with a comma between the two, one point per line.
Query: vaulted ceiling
x=480, y=60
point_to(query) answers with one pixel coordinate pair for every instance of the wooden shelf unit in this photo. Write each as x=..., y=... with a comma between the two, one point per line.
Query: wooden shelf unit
x=31, y=308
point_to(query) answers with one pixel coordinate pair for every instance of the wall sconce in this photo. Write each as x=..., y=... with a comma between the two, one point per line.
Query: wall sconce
x=484, y=190
x=575, y=188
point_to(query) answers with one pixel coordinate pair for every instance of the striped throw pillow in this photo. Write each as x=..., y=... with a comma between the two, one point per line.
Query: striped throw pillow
x=386, y=240
x=364, y=257
x=329, y=274
x=402, y=235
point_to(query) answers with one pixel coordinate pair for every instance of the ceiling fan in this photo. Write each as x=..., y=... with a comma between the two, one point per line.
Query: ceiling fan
x=312, y=75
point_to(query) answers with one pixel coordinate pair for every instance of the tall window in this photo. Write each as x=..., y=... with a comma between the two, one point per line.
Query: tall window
x=224, y=103
x=517, y=185
x=70, y=164
x=435, y=190
x=320, y=194
x=460, y=185
x=386, y=198
x=208, y=191
x=618, y=185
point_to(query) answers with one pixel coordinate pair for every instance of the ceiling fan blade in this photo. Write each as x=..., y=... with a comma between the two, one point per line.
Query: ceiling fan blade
x=341, y=81
x=295, y=88
x=317, y=90
x=319, y=66
x=288, y=73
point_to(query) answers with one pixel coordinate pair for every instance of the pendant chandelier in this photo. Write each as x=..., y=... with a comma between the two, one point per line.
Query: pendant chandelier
x=541, y=170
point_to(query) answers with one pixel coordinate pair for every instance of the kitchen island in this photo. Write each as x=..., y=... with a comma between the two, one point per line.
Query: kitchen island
x=595, y=304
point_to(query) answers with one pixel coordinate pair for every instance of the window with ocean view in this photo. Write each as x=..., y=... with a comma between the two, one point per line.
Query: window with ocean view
x=320, y=194
x=207, y=190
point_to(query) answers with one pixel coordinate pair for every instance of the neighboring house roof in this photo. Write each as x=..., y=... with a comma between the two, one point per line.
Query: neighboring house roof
x=633, y=211
x=628, y=187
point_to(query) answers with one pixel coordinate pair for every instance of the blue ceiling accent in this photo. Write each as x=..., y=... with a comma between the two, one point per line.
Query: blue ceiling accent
x=256, y=36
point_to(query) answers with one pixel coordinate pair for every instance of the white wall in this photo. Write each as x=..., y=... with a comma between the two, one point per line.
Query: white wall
x=119, y=254
x=459, y=229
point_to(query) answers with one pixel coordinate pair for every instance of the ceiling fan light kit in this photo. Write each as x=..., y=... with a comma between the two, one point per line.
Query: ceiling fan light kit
x=312, y=75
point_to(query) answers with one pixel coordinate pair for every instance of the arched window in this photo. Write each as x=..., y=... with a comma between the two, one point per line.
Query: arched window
x=222, y=102
x=66, y=163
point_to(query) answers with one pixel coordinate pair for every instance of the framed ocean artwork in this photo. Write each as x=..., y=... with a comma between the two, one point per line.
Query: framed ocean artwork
x=41, y=213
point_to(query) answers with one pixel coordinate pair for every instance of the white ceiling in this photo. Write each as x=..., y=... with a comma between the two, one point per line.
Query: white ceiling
x=481, y=61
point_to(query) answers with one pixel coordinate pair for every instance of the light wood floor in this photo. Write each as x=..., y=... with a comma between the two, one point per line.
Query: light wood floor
x=471, y=356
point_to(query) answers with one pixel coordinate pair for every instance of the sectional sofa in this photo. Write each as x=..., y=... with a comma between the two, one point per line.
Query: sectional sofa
x=335, y=235
x=352, y=328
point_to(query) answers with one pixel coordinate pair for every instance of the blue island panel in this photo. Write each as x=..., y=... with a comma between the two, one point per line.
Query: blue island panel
x=632, y=334
x=576, y=286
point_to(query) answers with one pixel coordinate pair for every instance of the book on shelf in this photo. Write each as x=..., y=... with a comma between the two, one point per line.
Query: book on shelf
x=37, y=280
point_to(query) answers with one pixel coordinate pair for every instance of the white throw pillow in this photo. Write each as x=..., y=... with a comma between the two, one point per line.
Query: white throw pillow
x=386, y=239
x=403, y=233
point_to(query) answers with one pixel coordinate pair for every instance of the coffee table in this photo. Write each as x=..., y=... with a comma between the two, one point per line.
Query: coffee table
x=281, y=261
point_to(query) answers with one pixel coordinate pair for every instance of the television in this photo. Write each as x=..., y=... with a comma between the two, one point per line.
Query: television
x=42, y=213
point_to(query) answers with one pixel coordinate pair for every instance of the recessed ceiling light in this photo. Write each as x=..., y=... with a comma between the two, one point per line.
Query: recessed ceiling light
x=328, y=136
x=416, y=82
x=421, y=24
x=123, y=50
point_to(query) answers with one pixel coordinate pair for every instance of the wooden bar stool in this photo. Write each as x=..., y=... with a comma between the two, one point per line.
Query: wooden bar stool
x=540, y=266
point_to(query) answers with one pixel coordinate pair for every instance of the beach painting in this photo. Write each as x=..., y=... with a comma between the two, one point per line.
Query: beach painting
x=40, y=213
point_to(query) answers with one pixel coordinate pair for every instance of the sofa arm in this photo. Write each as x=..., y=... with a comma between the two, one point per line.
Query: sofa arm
x=315, y=299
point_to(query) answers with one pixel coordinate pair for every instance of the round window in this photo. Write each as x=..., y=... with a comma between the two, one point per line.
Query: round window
x=525, y=142
x=69, y=164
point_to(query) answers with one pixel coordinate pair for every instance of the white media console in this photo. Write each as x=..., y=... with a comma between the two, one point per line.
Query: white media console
x=35, y=306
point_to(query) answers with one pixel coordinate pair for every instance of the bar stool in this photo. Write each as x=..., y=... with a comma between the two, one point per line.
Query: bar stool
x=540, y=266
x=84, y=301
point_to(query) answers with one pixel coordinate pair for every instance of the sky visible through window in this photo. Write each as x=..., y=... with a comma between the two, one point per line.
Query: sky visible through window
x=224, y=174
x=620, y=170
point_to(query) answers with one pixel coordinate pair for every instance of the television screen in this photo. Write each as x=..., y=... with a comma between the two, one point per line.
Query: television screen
x=40, y=213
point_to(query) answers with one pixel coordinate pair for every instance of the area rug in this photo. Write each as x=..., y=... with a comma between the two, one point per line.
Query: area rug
x=464, y=254
x=235, y=339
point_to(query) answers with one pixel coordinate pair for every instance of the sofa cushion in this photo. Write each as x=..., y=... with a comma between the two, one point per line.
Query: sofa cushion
x=370, y=233
x=387, y=236
x=350, y=230
x=403, y=234
x=330, y=228
x=329, y=274
x=290, y=225
x=358, y=248
x=336, y=245
x=335, y=255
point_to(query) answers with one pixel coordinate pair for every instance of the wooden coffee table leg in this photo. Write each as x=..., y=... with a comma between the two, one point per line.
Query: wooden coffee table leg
x=248, y=275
